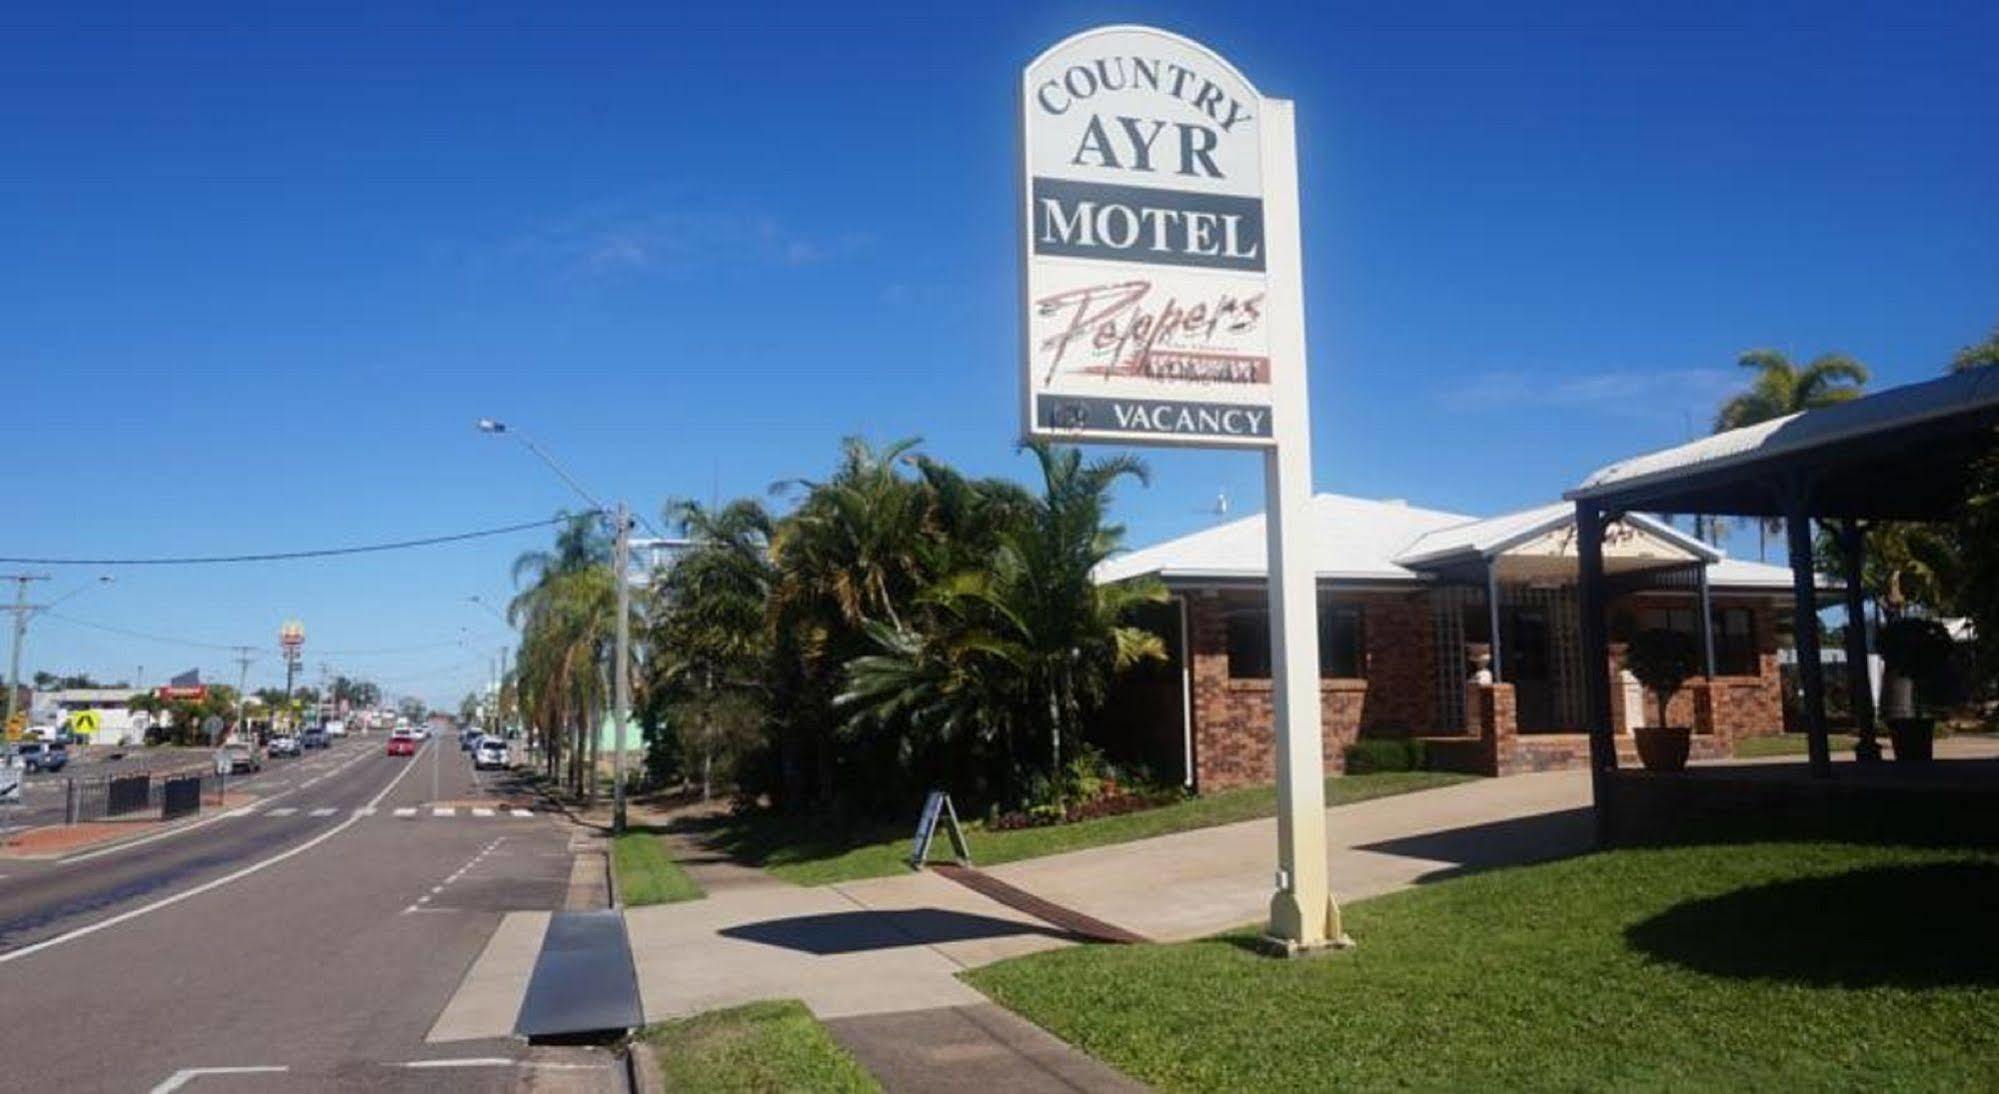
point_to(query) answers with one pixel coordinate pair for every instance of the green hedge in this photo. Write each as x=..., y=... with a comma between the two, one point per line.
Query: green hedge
x=1364, y=757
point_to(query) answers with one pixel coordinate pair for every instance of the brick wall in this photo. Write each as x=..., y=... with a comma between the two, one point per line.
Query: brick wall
x=1738, y=706
x=1233, y=718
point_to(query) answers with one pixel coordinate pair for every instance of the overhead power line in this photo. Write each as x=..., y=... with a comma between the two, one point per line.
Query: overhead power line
x=197, y=643
x=285, y=556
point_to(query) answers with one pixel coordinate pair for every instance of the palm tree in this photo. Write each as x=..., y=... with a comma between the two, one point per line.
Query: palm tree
x=1781, y=389
x=1025, y=637
x=567, y=618
x=708, y=632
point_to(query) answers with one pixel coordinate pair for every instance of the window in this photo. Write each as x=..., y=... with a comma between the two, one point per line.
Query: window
x=1735, y=648
x=1249, y=644
x=1342, y=650
x=1735, y=652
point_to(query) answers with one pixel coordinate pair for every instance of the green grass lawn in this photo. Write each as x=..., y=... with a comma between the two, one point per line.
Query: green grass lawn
x=1775, y=966
x=647, y=874
x=817, y=850
x=762, y=1047
x=1791, y=744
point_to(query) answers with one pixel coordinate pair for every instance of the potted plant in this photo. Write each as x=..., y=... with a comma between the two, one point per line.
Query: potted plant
x=1662, y=660
x=1911, y=650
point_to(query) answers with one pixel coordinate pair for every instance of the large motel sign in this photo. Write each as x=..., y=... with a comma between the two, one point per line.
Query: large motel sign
x=1163, y=305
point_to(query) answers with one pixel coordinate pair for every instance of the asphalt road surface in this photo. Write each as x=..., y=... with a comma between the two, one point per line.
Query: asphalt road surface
x=305, y=943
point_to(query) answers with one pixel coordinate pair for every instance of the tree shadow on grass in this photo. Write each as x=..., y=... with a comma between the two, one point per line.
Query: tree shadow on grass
x=759, y=837
x=1924, y=926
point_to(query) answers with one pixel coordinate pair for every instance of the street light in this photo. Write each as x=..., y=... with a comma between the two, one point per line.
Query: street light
x=620, y=565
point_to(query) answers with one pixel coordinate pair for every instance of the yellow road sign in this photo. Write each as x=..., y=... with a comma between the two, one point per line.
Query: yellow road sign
x=16, y=724
x=84, y=722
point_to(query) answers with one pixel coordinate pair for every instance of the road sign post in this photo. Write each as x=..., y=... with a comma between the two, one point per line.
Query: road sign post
x=1164, y=305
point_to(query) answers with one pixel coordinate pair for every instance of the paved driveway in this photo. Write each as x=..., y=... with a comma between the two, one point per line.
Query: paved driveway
x=1192, y=884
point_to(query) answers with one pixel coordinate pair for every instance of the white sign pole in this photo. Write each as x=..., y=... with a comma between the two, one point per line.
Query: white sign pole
x=1303, y=914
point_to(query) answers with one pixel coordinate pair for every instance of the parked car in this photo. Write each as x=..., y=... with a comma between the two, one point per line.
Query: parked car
x=402, y=743
x=313, y=738
x=491, y=752
x=42, y=755
x=236, y=758
x=468, y=739
x=283, y=745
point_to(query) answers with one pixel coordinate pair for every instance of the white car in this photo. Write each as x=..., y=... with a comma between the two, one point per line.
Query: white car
x=235, y=758
x=490, y=753
x=336, y=728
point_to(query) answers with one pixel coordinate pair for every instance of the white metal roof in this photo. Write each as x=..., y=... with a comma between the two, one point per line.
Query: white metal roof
x=1894, y=408
x=1355, y=538
x=1361, y=539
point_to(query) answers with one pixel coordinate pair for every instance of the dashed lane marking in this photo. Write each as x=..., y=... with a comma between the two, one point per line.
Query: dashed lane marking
x=477, y=812
x=325, y=811
x=285, y=811
x=444, y=811
x=406, y=811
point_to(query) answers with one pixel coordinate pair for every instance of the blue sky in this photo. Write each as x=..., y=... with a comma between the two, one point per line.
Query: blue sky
x=260, y=278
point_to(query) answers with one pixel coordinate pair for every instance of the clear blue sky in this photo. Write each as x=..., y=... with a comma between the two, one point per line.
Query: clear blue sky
x=259, y=279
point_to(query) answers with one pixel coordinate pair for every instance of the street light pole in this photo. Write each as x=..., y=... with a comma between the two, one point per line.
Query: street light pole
x=622, y=672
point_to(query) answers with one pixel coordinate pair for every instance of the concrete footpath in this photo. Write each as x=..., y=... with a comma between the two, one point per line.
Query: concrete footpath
x=878, y=960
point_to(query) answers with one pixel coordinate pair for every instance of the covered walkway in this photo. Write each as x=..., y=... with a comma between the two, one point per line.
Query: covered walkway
x=1904, y=454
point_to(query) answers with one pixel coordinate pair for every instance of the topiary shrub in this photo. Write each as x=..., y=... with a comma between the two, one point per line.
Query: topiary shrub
x=1662, y=660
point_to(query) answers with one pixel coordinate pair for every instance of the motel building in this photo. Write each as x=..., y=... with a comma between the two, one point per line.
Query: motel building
x=1458, y=630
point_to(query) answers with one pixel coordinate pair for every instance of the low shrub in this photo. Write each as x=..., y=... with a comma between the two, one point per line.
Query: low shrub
x=1369, y=755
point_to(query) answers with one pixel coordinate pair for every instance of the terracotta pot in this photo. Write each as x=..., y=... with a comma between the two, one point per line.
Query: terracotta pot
x=1914, y=739
x=1663, y=748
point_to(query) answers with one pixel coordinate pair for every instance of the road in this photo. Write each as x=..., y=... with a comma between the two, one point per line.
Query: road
x=315, y=935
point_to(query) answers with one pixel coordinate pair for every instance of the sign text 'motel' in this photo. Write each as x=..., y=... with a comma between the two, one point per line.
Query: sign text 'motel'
x=1144, y=244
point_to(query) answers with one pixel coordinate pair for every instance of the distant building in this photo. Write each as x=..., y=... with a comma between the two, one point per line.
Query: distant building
x=117, y=722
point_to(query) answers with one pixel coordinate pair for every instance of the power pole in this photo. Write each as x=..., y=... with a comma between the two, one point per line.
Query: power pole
x=242, y=682
x=22, y=610
x=622, y=672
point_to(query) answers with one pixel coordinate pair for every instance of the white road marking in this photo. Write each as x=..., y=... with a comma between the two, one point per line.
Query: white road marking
x=406, y=811
x=324, y=811
x=444, y=811
x=364, y=811
x=167, y=902
x=188, y=1074
x=285, y=812
x=464, y=1061
x=477, y=812
x=520, y=812
x=243, y=812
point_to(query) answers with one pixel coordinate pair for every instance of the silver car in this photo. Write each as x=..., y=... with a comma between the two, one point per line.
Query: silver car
x=490, y=752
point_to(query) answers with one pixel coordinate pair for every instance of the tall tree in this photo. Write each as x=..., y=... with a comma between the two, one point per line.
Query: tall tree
x=1780, y=389
x=1978, y=355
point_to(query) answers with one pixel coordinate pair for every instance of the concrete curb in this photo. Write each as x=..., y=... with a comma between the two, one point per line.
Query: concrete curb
x=642, y=1073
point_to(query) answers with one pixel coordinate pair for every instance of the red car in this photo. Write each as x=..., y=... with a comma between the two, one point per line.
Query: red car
x=400, y=745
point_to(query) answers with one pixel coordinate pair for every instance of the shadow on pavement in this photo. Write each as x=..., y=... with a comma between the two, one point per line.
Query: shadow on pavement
x=1513, y=842
x=1892, y=926
x=859, y=932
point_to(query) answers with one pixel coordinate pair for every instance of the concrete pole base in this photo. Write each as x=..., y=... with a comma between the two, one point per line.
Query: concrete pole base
x=1273, y=946
x=1287, y=935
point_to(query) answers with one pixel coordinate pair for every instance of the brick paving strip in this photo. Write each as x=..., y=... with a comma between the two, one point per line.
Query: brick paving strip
x=57, y=840
x=1020, y=900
